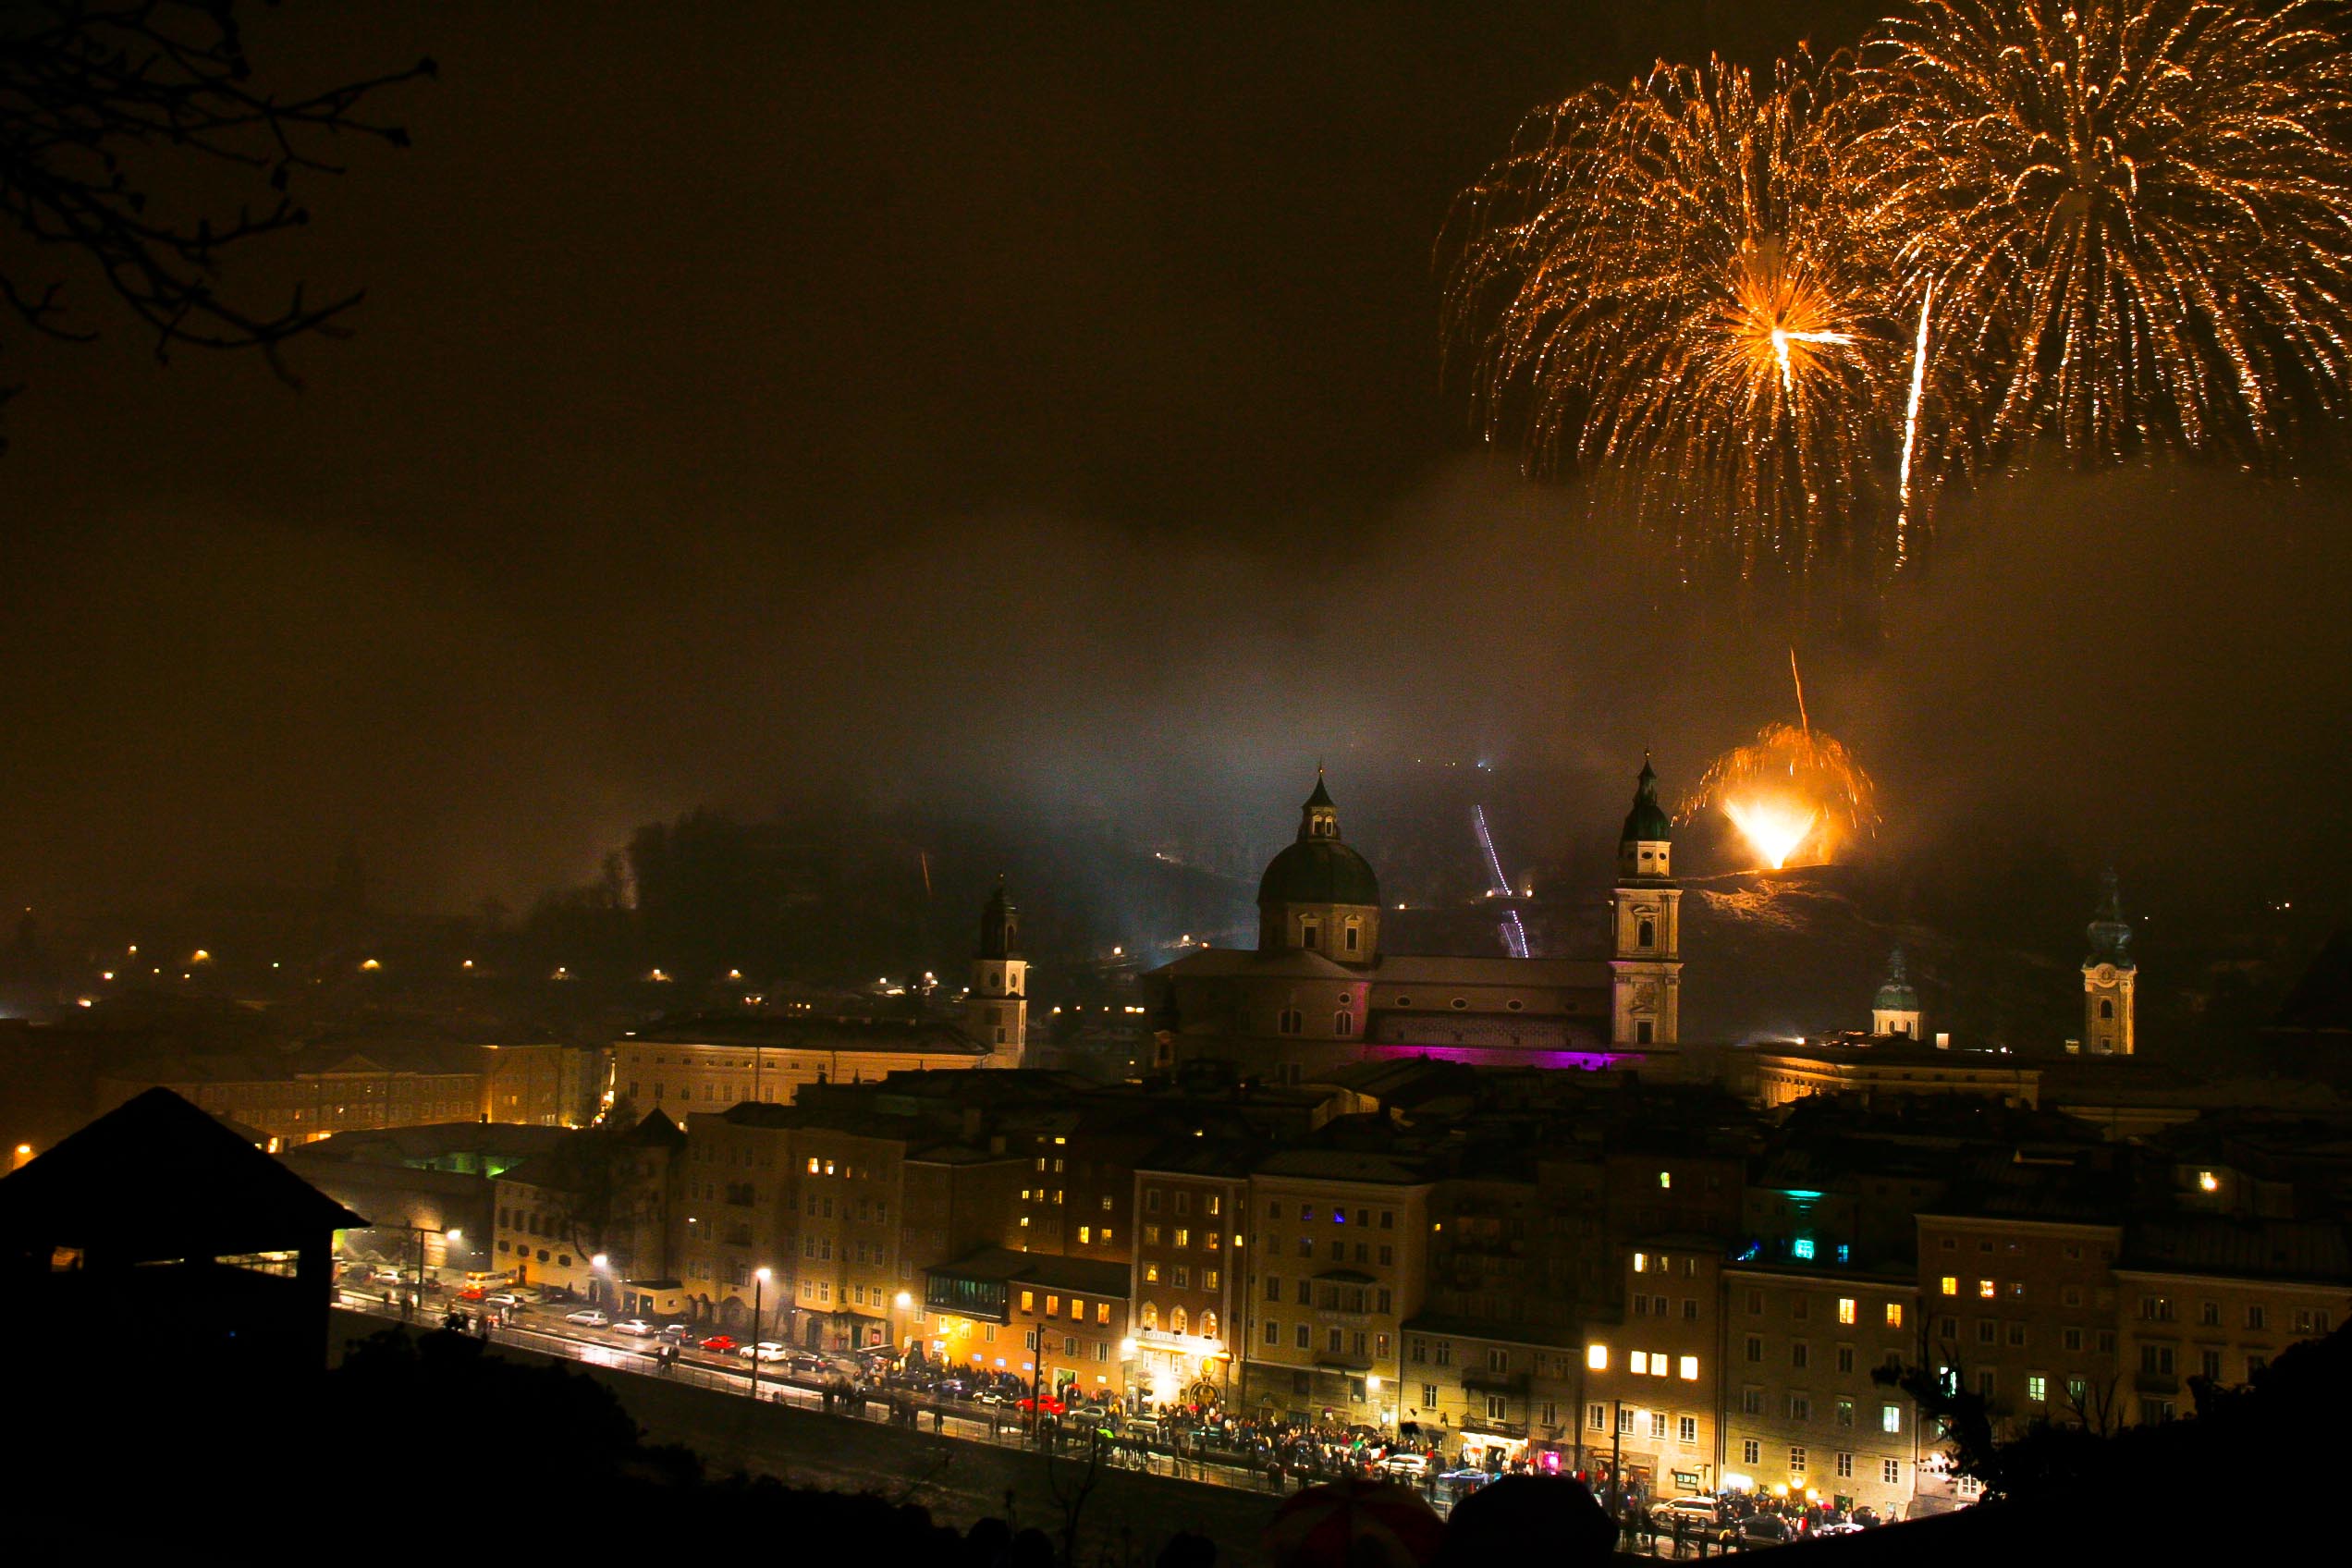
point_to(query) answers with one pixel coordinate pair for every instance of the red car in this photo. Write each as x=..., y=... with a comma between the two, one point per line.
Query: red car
x=719, y=1343
x=472, y=1293
x=1045, y=1402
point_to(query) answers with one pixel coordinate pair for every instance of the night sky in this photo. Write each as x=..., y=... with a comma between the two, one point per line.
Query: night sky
x=1016, y=411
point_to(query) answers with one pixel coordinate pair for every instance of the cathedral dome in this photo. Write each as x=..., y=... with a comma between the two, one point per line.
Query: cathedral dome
x=1318, y=868
x=1318, y=871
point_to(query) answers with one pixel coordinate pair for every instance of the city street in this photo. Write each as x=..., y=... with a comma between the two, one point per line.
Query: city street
x=542, y=1330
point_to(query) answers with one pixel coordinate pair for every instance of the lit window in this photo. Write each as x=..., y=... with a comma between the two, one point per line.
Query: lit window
x=1845, y=1309
x=1984, y=1289
x=1665, y=1178
x=1596, y=1357
x=1641, y=1364
x=1890, y=1418
x=2037, y=1387
x=1802, y=1247
x=1690, y=1369
x=1641, y=1263
x=2207, y=1181
x=1951, y=1285
x=1894, y=1315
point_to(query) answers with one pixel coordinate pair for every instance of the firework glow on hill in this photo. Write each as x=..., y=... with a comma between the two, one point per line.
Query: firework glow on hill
x=1795, y=795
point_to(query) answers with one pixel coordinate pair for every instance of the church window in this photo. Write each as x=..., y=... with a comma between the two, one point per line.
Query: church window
x=1343, y=1023
x=1310, y=935
x=1514, y=1004
x=1462, y=1002
x=1643, y=1031
x=1293, y=1021
x=1401, y=1001
x=1649, y=933
x=1355, y=935
x=2106, y=1009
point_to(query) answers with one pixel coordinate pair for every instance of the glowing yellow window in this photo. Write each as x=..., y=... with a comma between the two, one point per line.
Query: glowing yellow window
x=1028, y=1301
x=1984, y=1289
x=1641, y=1263
x=1894, y=1315
x=1950, y=1286
x=1596, y=1357
x=1845, y=1309
x=1690, y=1368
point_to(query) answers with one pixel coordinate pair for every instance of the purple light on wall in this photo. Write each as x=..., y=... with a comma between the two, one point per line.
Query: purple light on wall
x=1504, y=1056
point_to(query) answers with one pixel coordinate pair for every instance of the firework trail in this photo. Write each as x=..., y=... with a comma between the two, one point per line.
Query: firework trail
x=1910, y=438
x=1791, y=792
x=2135, y=216
x=1658, y=284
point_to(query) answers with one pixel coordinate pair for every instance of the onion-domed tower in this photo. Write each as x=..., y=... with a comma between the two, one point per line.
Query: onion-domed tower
x=1895, y=1009
x=1319, y=895
x=1646, y=965
x=997, y=1008
x=2110, y=976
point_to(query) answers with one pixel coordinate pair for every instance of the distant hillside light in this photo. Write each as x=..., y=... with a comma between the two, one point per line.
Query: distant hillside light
x=201, y=955
x=371, y=965
x=2209, y=1183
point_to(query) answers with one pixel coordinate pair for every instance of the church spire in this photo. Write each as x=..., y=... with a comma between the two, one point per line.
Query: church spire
x=1318, y=818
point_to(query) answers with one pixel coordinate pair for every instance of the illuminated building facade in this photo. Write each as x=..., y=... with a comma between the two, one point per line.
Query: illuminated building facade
x=1649, y=1394
x=1320, y=989
x=1190, y=1263
x=1337, y=1245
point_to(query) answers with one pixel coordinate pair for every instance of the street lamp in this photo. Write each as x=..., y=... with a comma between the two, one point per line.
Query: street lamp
x=759, y=1289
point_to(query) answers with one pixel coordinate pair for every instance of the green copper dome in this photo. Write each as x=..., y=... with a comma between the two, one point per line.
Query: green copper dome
x=1647, y=822
x=1898, y=995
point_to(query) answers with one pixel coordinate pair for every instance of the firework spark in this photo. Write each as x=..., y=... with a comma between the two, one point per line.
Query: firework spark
x=1911, y=436
x=2135, y=216
x=1792, y=792
x=1658, y=286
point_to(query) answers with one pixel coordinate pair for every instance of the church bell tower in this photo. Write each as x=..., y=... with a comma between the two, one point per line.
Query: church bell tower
x=2110, y=976
x=998, y=1008
x=1647, y=965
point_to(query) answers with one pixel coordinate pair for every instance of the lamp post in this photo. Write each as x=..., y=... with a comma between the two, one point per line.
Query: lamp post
x=759, y=1289
x=598, y=1264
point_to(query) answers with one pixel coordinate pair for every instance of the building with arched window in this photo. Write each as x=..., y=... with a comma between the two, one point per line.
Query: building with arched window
x=1323, y=988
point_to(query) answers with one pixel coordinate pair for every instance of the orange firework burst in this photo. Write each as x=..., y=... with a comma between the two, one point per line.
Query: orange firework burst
x=1795, y=793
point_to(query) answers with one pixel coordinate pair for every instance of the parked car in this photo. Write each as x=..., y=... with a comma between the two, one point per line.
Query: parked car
x=637, y=1327
x=801, y=1361
x=1836, y=1527
x=766, y=1350
x=587, y=1318
x=1045, y=1402
x=387, y=1276
x=1698, y=1510
x=472, y=1293
x=683, y=1335
x=1405, y=1461
x=719, y=1343
x=1758, y=1530
x=1867, y=1516
x=992, y=1396
x=502, y=1298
